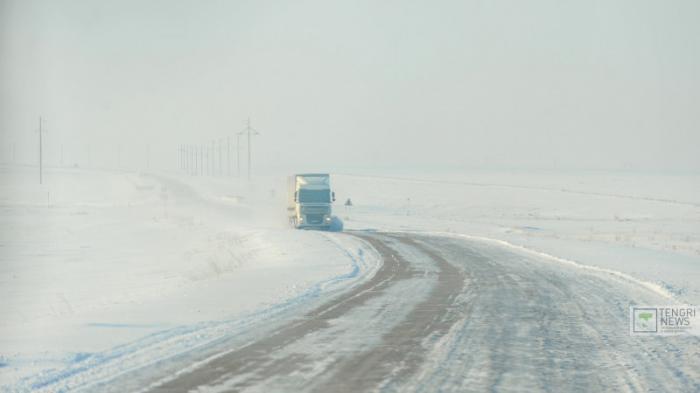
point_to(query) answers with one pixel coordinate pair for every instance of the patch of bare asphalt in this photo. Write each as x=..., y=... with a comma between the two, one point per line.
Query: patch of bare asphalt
x=402, y=349
x=255, y=360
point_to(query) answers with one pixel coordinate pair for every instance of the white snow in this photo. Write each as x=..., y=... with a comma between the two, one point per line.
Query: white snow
x=106, y=271
x=93, y=260
x=646, y=226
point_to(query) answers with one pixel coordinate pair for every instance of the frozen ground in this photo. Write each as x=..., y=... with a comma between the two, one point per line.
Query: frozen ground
x=94, y=260
x=644, y=225
x=108, y=274
x=456, y=314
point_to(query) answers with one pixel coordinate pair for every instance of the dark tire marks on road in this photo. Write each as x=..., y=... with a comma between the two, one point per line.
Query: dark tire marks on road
x=402, y=349
x=254, y=360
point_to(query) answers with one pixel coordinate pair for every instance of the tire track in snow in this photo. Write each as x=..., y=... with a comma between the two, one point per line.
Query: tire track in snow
x=254, y=358
x=490, y=317
x=403, y=347
x=536, y=326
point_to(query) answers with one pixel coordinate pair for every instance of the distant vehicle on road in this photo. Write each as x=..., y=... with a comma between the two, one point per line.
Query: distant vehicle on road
x=310, y=199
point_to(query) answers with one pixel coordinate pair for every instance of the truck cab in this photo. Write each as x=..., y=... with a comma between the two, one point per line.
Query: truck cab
x=310, y=198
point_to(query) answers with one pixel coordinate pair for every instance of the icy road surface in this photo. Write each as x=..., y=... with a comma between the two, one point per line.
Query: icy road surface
x=452, y=314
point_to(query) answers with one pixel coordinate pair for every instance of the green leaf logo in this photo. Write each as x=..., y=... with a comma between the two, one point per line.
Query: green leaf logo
x=646, y=316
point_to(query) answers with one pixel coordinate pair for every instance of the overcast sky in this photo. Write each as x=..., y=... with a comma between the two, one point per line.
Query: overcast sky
x=354, y=85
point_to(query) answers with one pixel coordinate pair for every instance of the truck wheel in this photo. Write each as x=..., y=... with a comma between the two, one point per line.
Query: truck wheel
x=336, y=225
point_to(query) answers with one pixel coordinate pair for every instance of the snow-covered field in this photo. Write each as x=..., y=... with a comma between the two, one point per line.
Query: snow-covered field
x=644, y=225
x=102, y=272
x=109, y=263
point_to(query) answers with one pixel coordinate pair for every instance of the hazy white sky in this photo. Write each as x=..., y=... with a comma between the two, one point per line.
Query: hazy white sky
x=358, y=84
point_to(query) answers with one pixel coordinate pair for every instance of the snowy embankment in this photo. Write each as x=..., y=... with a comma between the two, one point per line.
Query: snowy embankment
x=103, y=271
x=644, y=226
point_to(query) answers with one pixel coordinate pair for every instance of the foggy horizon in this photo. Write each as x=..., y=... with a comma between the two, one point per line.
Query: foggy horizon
x=342, y=87
x=481, y=196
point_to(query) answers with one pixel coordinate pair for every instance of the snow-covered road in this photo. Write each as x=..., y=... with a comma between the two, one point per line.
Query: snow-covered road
x=455, y=314
x=209, y=290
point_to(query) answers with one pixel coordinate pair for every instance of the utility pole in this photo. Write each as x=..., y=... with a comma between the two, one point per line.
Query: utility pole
x=201, y=160
x=250, y=132
x=41, y=151
x=196, y=160
x=238, y=154
x=228, y=154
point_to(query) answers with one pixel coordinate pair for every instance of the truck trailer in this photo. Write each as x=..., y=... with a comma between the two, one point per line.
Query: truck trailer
x=310, y=199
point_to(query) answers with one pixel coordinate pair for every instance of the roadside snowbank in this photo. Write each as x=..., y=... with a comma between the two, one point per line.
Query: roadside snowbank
x=100, y=266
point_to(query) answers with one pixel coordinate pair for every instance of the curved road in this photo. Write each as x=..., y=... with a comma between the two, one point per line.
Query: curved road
x=452, y=314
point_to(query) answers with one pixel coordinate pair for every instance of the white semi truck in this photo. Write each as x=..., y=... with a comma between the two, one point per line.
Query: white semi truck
x=310, y=199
